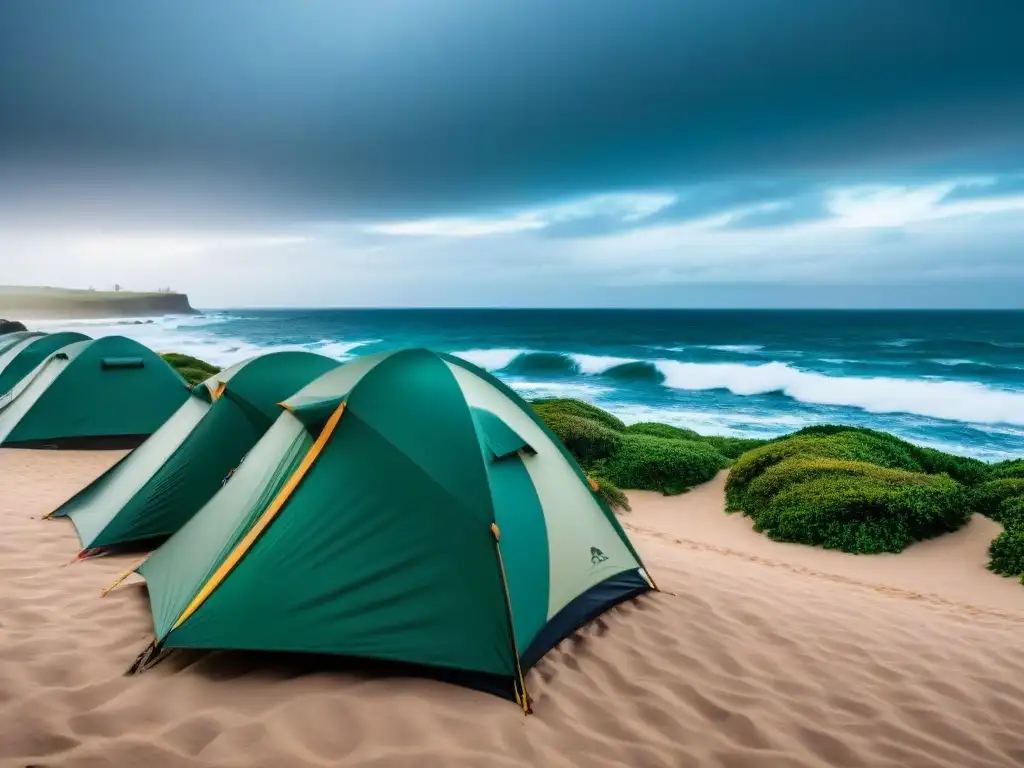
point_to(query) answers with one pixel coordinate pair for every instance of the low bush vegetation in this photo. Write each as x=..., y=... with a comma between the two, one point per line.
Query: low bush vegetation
x=859, y=490
x=612, y=495
x=645, y=456
x=853, y=506
x=732, y=447
x=661, y=464
x=1006, y=554
x=662, y=430
x=1012, y=468
x=988, y=498
x=192, y=369
x=798, y=470
x=890, y=451
x=589, y=441
x=849, y=444
x=571, y=407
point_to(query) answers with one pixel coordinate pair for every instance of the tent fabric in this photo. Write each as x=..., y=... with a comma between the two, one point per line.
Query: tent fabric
x=72, y=395
x=90, y=509
x=437, y=522
x=155, y=491
x=122, y=362
x=8, y=340
x=22, y=358
x=177, y=570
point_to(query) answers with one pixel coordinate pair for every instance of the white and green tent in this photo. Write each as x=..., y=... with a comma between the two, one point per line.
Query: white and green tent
x=406, y=507
x=153, y=491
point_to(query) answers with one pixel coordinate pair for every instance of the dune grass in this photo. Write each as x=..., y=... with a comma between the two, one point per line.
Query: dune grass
x=644, y=456
x=192, y=369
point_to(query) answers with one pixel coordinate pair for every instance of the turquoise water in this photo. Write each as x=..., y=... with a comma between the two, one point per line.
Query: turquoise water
x=954, y=380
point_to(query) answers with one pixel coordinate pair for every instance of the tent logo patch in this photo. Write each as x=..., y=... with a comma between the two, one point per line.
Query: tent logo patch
x=597, y=556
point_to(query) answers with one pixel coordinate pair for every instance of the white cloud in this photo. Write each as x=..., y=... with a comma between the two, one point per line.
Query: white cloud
x=627, y=207
x=900, y=206
x=441, y=262
x=462, y=227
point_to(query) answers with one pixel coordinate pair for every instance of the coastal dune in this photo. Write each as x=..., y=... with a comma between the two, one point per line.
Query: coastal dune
x=754, y=654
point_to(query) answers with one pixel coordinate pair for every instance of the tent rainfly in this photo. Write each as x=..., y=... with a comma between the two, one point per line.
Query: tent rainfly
x=110, y=387
x=8, y=340
x=408, y=507
x=22, y=358
x=152, y=492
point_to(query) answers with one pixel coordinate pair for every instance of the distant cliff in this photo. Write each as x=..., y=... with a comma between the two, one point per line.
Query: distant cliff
x=11, y=326
x=61, y=303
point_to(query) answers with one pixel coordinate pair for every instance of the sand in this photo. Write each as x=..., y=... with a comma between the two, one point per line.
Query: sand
x=755, y=654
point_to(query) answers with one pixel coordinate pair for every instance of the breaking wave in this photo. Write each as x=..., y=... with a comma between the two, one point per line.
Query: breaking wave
x=963, y=401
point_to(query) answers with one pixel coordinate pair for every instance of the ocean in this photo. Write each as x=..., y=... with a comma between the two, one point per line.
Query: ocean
x=951, y=380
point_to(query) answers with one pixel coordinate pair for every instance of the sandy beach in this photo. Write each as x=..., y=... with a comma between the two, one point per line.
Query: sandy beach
x=754, y=654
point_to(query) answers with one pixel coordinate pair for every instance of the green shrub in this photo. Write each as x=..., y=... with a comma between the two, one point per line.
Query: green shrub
x=903, y=454
x=1006, y=553
x=733, y=447
x=988, y=498
x=863, y=513
x=960, y=468
x=848, y=444
x=796, y=470
x=1011, y=514
x=569, y=407
x=587, y=440
x=843, y=447
x=1005, y=469
x=662, y=430
x=192, y=369
x=611, y=493
x=657, y=464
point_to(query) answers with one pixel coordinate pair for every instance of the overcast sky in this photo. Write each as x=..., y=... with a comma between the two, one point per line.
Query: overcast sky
x=517, y=152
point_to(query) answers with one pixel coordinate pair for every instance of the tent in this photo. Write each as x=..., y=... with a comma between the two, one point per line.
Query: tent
x=19, y=360
x=8, y=340
x=407, y=508
x=110, y=387
x=155, y=490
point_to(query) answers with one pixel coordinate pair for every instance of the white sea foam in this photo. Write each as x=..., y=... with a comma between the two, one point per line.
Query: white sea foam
x=954, y=400
x=536, y=389
x=491, y=359
x=186, y=334
x=711, y=421
x=740, y=348
x=591, y=364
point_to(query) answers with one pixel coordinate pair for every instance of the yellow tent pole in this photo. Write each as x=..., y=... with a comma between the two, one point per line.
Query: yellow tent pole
x=522, y=696
x=121, y=578
x=264, y=520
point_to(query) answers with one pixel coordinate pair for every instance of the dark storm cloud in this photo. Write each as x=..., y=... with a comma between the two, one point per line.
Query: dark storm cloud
x=394, y=108
x=1004, y=186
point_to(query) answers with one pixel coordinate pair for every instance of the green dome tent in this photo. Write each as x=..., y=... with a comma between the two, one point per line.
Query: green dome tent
x=407, y=508
x=108, y=388
x=22, y=358
x=156, y=489
x=8, y=340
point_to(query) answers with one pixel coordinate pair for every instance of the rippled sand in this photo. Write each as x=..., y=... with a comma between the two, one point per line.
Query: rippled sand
x=756, y=654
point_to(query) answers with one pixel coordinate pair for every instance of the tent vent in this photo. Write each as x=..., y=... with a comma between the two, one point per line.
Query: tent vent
x=122, y=362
